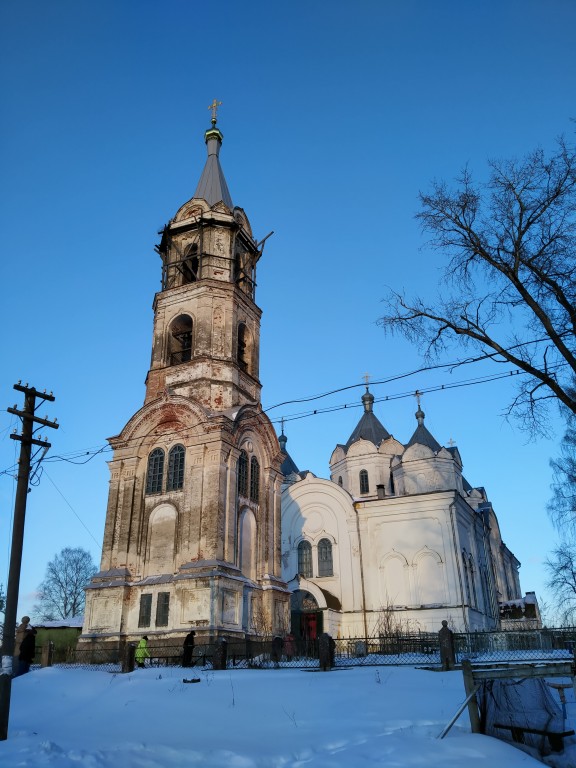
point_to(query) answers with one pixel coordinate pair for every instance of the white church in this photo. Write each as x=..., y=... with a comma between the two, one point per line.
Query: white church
x=210, y=526
x=396, y=539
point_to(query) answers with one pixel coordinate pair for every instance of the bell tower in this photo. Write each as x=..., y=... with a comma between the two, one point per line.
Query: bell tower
x=192, y=533
x=206, y=324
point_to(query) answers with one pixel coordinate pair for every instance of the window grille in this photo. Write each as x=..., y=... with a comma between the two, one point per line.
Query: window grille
x=254, y=479
x=305, y=559
x=325, y=567
x=145, y=610
x=162, y=609
x=242, y=473
x=155, y=474
x=364, y=485
x=176, y=468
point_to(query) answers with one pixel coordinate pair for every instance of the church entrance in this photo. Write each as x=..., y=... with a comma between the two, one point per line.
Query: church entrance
x=307, y=621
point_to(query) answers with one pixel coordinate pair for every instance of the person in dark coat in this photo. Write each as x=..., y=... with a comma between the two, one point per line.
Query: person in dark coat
x=277, y=644
x=188, y=650
x=27, y=651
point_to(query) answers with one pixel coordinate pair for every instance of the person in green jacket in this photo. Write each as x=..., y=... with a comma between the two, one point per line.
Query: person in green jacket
x=142, y=652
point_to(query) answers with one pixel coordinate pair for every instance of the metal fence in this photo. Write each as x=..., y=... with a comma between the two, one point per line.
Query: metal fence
x=420, y=649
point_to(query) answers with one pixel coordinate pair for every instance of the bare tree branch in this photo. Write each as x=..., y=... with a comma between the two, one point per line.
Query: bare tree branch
x=509, y=289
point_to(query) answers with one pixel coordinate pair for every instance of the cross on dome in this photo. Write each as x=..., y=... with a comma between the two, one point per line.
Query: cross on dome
x=214, y=107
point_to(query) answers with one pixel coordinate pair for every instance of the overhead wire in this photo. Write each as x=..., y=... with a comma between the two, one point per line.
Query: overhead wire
x=73, y=457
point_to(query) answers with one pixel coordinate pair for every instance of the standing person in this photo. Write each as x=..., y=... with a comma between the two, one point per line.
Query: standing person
x=289, y=646
x=20, y=635
x=276, y=650
x=188, y=650
x=27, y=651
x=142, y=652
x=447, y=651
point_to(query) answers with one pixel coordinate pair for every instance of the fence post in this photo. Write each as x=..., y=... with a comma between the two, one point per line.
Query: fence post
x=47, y=654
x=128, y=657
x=470, y=692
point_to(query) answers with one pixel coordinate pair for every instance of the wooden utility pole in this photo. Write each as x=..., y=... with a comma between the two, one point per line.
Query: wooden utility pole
x=27, y=440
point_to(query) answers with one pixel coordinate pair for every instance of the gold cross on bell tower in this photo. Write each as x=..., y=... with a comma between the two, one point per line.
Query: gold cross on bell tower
x=214, y=107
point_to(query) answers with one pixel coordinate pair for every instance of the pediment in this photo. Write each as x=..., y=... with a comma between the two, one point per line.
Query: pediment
x=242, y=219
x=418, y=451
x=391, y=447
x=337, y=455
x=362, y=448
x=192, y=209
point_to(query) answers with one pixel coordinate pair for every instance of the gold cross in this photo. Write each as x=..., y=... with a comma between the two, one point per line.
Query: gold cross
x=417, y=396
x=214, y=107
x=366, y=378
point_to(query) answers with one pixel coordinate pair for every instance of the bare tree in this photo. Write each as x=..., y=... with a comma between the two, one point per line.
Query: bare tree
x=561, y=568
x=562, y=505
x=509, y=290
x=62, y=591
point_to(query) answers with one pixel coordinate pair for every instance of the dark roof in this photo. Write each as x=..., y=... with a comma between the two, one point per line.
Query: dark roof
x=212, y=186
x=422, y=436
x=368, y=428
x=288, y=466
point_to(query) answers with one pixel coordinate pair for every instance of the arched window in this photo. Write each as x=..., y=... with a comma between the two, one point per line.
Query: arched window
x=180, y=340
x=243, y=347
x=364, y=485
x=305, y=559
x=242, y=474
x=155, y=475
x=254, y=479
x=247, y=550
x=176, y=468
x=190, y=265
x=325, y=558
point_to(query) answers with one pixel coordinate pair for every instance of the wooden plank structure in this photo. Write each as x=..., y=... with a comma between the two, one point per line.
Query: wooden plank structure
x=553, y=729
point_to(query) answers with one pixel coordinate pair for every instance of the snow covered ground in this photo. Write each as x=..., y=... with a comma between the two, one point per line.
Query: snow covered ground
x=284, y=718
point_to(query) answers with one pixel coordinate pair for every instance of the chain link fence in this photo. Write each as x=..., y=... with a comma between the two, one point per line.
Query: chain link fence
x=420, y=649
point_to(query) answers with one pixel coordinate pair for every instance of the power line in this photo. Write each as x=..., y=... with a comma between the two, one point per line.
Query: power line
x=73, y=457
x=76, y=515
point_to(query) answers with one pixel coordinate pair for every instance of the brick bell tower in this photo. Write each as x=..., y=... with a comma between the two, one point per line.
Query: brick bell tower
x=192, y=533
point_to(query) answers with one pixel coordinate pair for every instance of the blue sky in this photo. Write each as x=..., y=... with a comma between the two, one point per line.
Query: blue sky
x=335, y=115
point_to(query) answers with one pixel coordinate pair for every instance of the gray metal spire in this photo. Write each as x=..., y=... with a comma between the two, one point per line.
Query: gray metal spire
x=368, y=428
x=288, y=466
x=422, y=436
x=212, y=186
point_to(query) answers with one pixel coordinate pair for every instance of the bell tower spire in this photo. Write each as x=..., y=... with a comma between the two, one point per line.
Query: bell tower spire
x=206, y=322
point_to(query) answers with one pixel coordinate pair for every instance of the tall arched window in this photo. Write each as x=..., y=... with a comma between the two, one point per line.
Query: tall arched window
x=190, y=265
x=325, y=558
x=180, y=340
x=254, y=479
x=305, y=559
x=176, y=468
x=364, y=485
x=242, y=474
x=155, y=474
x=243, y=347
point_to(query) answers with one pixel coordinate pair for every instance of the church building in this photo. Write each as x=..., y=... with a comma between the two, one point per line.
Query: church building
x=394, y=542
x=192, y=532
x=211, y=527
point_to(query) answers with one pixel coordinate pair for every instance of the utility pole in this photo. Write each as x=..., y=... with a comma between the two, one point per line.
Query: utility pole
x=27, y=440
